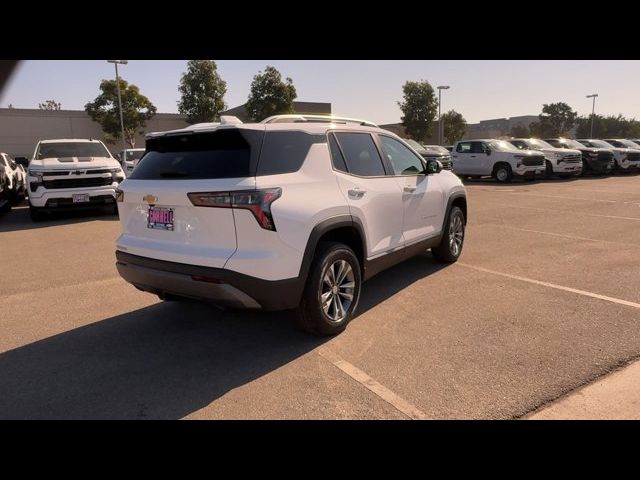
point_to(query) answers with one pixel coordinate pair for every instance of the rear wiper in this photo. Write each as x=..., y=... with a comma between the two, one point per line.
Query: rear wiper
x=174, y=173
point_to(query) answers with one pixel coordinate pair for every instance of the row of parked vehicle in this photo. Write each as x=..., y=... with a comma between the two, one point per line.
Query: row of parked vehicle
x=531, y=158
x=13, y=182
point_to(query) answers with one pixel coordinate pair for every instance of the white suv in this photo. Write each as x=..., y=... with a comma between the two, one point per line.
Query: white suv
x=129, y=159
x=290, y=213
x=496, y=158
x=72, y=173
x=565, y=162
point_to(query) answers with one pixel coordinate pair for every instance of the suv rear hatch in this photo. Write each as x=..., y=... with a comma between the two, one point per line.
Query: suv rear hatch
x=158, y=216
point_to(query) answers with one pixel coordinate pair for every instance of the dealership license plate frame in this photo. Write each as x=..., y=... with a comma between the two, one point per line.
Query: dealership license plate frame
x=155, y=220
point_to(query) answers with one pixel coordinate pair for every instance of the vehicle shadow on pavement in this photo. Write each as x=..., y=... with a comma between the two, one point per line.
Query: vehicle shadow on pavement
x=520, y=183
x=164, y=361
x=18, y=218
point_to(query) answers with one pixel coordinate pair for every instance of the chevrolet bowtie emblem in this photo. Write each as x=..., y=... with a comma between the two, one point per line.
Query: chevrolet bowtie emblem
x=150, y=199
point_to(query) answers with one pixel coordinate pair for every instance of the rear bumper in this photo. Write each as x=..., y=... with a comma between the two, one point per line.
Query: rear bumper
x=215, y=285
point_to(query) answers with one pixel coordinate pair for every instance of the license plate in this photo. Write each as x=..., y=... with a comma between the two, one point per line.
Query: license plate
x=160, y=218
x=80, y=197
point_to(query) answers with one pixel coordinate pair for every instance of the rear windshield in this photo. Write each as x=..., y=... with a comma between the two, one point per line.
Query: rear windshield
x=228, y=153
x=71, y=149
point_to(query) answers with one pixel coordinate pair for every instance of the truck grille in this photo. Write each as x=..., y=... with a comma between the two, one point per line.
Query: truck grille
x=605, y=156
x=572, y=158
x=533, y=161
x=445, y=160
x=77, y=182
x=633, y=157
x=62, y=173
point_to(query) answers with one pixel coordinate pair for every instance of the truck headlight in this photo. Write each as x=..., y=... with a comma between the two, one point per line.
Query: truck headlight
x=35, y=179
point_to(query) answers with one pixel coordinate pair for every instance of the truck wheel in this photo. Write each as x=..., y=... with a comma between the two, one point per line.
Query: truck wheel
x=548, y=172
x=332, y=291
x=452, y=240
x=503, y=173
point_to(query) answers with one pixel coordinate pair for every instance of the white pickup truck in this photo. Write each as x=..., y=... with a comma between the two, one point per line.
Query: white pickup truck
x=72, y=173
x=496, y=158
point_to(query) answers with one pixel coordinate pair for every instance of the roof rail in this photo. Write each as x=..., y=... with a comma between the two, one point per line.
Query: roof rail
x=293, y=118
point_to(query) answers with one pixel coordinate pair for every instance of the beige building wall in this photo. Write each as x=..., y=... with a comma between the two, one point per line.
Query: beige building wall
x=22, y=128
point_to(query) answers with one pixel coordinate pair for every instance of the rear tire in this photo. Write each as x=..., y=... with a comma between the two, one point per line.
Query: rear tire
x=502, y=173
x=332, y=292
x=452, y=240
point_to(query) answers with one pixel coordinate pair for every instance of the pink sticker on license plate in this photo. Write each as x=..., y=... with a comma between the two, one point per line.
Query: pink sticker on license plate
x=160, y=218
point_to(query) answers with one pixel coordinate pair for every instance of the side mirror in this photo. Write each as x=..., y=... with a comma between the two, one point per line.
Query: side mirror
x=433, y=166
x=24, y=161
x=487, y=151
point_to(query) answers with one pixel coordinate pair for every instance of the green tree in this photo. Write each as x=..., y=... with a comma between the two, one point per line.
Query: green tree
x=202, y=92
x=454, y=126
x=556, y=119
x=50, y=105
x=136, y=110
x=519, y=131
x=419, y=107
x=270, y=95
x=611, y=126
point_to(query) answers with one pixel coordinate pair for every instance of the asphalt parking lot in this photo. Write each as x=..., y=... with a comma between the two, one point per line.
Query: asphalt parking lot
x=544, y=299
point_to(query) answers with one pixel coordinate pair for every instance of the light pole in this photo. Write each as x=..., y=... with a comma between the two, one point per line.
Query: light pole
x=121, y=62
x=440, y=129
x=593, y=111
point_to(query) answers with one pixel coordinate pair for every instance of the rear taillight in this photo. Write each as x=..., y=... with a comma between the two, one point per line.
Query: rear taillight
x=257, y=202
x=119, y=195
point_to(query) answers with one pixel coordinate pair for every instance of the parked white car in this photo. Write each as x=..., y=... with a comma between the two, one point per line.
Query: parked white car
x=129, y=159
x=294, y=212
x=496, y=158
x=565, y=162
x=72, y=173
x=626, y=159
x=632, y=150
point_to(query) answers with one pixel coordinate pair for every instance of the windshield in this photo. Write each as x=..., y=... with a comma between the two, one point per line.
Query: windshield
x=415, y=145
x=537, y=144
x=134, y=154
x=503, y=146
x=71, y=149
x=436, y=149
x=622, y=143
x=566, y=143
x=597, y=143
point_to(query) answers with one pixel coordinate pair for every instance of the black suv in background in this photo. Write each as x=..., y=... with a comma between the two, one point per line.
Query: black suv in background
x=600, y=160
x=432, y=152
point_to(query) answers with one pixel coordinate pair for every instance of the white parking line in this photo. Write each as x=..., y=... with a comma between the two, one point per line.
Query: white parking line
x=549, y=210
x=561, y=235
x=565, y=198
x=366, y=381
x=619, y=301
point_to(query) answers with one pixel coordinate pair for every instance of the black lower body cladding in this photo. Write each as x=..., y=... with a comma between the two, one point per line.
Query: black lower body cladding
x=217, y=285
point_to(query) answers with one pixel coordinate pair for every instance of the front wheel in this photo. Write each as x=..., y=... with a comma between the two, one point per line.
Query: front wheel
x=452, y=240
x=332, y=292
x=503, y=173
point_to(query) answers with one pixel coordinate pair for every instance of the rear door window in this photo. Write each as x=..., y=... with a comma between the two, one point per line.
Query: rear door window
x=361, y=154
x=226, y=153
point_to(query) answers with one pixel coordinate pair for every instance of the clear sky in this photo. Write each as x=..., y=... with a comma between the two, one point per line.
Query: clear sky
x=480, y=89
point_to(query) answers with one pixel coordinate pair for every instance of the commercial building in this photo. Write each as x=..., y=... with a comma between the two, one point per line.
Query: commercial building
x=22, y=128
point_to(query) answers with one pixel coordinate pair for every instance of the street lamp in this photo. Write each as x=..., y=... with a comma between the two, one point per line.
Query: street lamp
x=593, y=111
x=121, y=62
x=440, y=126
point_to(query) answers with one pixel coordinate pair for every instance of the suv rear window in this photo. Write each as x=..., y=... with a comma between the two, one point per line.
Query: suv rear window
x=227, y=153
x=285, y=151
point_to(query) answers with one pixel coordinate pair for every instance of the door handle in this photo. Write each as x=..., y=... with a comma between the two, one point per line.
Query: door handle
x=409, y=189
x=472, y=156
x=356, y=192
